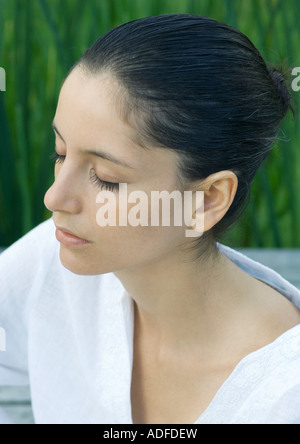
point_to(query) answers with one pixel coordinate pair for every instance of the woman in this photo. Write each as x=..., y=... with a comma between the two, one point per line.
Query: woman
x=136, y=323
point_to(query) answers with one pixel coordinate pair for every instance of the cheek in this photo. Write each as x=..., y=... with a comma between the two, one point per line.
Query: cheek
x=120, y=248
x=135, y=224
x=136, y=247
x=116, y=247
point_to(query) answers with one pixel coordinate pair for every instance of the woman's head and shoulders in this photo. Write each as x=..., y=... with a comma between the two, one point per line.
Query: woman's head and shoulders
x=174, y=102
x=195, y=108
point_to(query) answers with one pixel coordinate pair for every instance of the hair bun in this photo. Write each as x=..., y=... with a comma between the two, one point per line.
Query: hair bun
x=280, y=83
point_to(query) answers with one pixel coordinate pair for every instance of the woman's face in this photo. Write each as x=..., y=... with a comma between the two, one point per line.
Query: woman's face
x=96, y=152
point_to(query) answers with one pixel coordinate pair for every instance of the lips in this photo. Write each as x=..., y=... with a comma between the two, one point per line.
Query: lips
x=69, y=239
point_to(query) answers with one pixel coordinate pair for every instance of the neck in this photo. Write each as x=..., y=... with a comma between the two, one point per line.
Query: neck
x=181, y=302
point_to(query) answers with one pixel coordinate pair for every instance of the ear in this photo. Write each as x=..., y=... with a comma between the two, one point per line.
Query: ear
x=219, y=191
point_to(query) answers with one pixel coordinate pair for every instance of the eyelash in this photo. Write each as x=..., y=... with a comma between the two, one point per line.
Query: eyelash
x=57, y=158
x=108, y=186
x=104, y=185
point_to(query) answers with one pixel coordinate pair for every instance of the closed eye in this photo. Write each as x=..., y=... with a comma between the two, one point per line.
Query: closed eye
x=103, y=184
x=57, y=158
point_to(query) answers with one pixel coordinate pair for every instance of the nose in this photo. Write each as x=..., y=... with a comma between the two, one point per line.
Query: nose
x=63, y=195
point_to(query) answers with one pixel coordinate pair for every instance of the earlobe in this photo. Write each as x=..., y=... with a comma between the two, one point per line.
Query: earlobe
x=219, y=192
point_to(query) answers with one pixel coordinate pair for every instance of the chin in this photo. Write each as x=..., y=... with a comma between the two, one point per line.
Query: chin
x=78, y=264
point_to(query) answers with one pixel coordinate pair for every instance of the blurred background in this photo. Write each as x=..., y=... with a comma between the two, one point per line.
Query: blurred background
x=41, y=39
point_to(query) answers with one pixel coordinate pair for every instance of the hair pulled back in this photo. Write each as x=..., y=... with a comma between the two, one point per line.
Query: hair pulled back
x=199, y=87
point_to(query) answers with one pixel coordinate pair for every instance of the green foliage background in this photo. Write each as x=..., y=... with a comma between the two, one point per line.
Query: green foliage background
x=41, y=39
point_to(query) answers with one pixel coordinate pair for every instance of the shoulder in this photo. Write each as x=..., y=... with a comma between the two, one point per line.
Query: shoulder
x=262, y=273
x=287, y=408
x=282, y=381
x=24, y=265
x=34, y=242
x=29, y=255
x=272, y=382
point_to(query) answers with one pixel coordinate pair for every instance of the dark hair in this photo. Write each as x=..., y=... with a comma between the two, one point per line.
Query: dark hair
x=199, y=87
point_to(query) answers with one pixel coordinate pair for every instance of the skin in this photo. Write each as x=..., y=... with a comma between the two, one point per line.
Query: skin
x=194, y=320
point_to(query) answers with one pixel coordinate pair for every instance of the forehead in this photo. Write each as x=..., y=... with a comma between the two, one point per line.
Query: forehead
x=88, y=116
x=88, y=104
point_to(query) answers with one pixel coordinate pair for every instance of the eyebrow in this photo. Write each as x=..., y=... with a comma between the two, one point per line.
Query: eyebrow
x=98, y=153
x=108, y=157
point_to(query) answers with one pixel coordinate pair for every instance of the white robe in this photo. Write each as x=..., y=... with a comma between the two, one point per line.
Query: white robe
x=70, y=338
